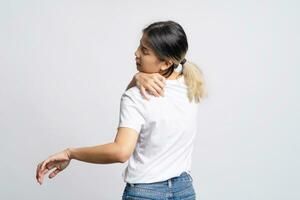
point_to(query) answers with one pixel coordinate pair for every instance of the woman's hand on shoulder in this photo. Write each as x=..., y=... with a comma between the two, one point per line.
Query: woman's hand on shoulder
x=152, y=83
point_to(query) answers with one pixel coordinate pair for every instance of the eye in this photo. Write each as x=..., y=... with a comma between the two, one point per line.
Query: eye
x=145, y=52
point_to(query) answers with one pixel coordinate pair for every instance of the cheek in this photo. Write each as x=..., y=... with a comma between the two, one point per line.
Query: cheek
x=148, y=64
x=147, y=60
x=143, y=59
x=149, y=68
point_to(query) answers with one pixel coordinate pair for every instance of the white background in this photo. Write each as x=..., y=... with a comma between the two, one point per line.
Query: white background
x=65, y=64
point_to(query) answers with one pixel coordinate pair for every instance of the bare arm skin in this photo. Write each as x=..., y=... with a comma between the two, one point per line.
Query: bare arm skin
x=99, y=154
x=118, y=151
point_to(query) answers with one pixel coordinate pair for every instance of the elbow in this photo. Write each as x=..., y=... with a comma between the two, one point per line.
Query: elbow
x=123, y=160
x=123, y=156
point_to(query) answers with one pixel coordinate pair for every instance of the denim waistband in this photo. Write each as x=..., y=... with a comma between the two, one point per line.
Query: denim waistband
x=184, y=176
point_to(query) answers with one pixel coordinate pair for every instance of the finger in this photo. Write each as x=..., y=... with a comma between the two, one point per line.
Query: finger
x=153, y=92
x=37, y=171
x=160, y=83
x=161, y=78
x=48, y=167
x=143, y=91
x=156, y=90
x=44, y=164
x=51, y=165
x=54, y=173
x=161, y=88
x=42, y=175
x=43, y=169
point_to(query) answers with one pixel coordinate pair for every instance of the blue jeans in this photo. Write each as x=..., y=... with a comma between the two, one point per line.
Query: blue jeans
x=180, y=187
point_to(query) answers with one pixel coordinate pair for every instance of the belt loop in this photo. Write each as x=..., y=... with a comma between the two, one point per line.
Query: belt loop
x=170, y=183
x=191, y=178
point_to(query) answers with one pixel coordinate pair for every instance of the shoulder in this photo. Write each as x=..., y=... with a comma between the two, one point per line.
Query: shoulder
x=133, y=97
x=133, y=94
x=132, y=101
x=132, y=91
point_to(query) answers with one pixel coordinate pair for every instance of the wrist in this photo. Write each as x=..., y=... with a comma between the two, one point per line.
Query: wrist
x=70, y=152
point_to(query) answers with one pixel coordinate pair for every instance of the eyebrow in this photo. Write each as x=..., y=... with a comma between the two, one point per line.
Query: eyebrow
x=144, y=45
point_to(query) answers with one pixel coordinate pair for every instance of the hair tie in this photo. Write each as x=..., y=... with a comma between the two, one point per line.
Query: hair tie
x=183, y=61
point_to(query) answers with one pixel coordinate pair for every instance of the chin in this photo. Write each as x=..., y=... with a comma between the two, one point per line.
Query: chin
x=138, y=67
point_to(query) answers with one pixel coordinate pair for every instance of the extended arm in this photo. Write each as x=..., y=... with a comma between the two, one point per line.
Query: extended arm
x=100, y=154
x=118, y=151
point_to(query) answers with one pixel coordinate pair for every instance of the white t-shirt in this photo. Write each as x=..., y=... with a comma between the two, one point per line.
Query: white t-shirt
x=167, y=128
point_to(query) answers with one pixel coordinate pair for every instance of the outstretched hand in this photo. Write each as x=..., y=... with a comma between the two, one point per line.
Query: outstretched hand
x=59, y=161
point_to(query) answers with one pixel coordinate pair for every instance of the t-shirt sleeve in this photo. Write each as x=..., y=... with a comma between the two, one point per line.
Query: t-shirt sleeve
x=132, y=112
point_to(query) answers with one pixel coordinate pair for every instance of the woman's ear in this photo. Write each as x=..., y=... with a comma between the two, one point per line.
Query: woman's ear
x=166, y=64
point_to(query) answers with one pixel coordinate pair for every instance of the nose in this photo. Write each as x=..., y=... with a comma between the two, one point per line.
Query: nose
x=136, y=53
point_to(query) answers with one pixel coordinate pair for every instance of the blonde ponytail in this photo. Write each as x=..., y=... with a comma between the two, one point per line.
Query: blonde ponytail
x=194, y=80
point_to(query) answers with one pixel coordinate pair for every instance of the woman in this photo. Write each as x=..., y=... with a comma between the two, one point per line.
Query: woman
x=156, y=137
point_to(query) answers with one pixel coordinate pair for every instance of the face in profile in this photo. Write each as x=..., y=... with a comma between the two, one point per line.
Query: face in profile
x=146, y=59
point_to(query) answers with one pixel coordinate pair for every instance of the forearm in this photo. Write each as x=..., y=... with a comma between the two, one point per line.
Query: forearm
x=100, y=154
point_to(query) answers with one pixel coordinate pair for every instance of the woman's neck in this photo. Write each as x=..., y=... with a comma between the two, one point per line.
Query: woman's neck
x=174, y=75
